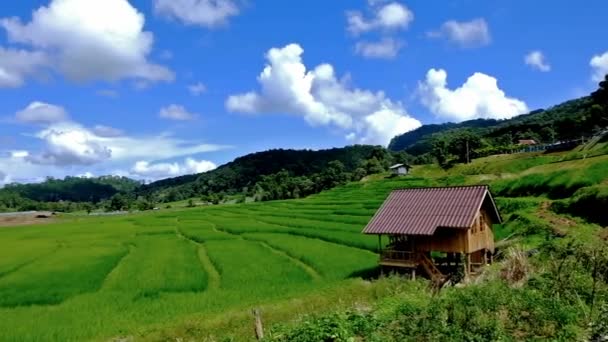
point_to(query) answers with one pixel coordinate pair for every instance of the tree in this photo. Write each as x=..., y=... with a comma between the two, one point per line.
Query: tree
x=463, y=144
x=358, y=174
x=373, y=166
x=190, y=203
x=88, y=207
x=118, y=202
x=440, y=151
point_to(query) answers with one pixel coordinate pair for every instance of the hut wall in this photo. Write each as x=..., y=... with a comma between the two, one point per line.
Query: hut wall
x=481, y=236
x=444, y=240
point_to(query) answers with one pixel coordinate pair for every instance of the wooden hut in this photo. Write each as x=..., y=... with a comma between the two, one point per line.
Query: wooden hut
x=400, y=169
x=436, y=229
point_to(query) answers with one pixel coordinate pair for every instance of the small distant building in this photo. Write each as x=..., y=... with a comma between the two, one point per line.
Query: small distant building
x=453, y=223
x=400, y=169
x=527, y=142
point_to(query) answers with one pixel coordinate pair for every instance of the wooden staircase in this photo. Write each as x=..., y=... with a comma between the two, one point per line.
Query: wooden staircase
x=429, y=267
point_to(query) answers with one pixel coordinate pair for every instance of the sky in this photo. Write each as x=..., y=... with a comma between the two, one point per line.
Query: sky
x=151, y=89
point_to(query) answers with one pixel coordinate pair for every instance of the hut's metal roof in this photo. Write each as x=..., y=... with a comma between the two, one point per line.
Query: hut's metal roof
x=420, y=211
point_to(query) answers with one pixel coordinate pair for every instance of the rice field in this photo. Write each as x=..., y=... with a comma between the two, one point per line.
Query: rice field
x=99, y=278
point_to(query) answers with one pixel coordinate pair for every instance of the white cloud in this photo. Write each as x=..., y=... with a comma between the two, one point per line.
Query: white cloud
x=197, y=89
x=478, y=97
x=207, y=13
x=385, y=48
x=386, y=17
x=87, y=174
x=69, y=143
x=41, y=113
x=176, y=112
x=107, y=131
x=466, y=34
x=16, y=65
x=536, y=59
x=317, y=95
x=108, y=44
x=599, y=64
x=19, y=154
x=155, y=171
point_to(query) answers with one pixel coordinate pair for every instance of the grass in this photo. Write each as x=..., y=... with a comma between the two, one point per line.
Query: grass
x=195, y=273
x=156, y=264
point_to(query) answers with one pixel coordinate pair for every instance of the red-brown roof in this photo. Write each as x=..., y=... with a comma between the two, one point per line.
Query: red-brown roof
x=420, y=211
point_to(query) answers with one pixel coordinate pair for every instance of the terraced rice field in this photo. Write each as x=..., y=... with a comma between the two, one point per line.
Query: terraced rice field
x=103, y=277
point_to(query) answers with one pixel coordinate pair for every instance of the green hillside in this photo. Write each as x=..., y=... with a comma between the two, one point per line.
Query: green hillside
x=570, y=120
x=196, y=273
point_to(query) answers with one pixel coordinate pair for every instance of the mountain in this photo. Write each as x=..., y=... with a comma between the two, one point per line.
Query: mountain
x=242, y=174
x=566, y=121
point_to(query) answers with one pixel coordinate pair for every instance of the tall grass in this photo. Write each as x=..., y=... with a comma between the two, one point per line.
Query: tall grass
x=158, y=264
x=332, y=261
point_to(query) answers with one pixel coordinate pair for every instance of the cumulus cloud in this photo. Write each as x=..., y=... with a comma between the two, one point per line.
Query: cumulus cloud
x=599, y=64
x=41, y=113
x=176, y=112
x=155, y=171
x=107, y=131
x=16, y=65
x=87, y=174
x=478, y=97
x=19, y=154
x=70, y=143
x=386, y=48
x=321, y=98
x=466, y=34
x=197, y=89
x=536, y=59
x=207, y=13
x=108, y=44
x=386, y=17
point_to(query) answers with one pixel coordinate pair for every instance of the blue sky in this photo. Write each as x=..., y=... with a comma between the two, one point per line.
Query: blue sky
x=157, y=88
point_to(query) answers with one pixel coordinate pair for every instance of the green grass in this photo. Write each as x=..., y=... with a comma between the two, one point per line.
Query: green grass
x=103, y=277
x=157, y=264
x=317, y=253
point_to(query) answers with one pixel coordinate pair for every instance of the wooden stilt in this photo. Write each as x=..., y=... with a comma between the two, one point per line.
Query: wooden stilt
x=413, y=274
x=467, y=266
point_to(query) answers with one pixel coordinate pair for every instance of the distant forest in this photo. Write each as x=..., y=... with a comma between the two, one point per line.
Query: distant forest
x=571, y=120
x=282, y=174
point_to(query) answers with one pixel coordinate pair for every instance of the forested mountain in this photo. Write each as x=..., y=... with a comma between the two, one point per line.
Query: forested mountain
x=62, y=194
x=242, y=174
x=272, y=174
x=567, y=121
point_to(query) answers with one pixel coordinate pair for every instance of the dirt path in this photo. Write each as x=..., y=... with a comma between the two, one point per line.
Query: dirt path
x=22, y=219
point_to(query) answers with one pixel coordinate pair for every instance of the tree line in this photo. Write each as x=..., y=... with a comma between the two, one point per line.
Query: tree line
x=447, y=143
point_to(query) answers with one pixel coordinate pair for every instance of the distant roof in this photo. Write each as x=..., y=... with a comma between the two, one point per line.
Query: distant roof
x=420, y=211
x=527, y=142
x=397, y=166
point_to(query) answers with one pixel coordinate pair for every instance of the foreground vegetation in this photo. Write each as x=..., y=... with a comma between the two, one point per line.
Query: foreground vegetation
x=196, y=273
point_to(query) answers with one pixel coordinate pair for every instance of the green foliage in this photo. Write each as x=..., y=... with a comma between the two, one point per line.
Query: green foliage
x=588, y=202
x=570, y=120
x=561, y=183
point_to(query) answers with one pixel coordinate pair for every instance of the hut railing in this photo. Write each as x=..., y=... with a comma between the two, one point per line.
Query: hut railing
x=391, y=254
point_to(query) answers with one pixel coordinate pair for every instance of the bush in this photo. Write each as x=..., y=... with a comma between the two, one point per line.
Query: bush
x=589, y=203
